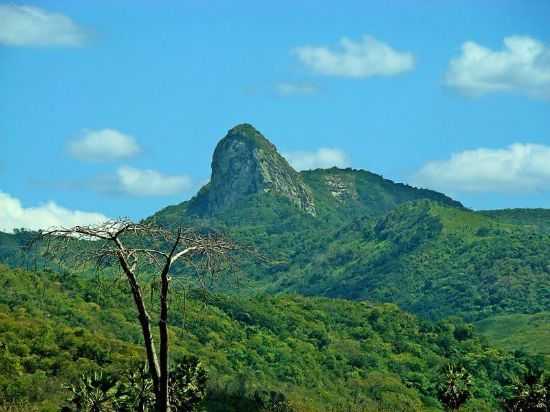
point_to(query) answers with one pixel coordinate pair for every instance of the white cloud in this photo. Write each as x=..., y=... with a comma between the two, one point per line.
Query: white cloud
x=364, y=58
x=292, y=89
x=14, y=216
x=103, y=145
x=32, y=26
x=520, y=167
x=146, y=182
x=322, y=158
x=523, y=66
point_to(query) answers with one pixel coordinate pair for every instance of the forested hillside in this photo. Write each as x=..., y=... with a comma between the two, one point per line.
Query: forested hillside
x=432, y=260
x=318, y=353
x=371, y=238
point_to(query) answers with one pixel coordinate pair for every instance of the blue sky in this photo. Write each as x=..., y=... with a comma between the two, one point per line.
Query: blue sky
x=453, y=95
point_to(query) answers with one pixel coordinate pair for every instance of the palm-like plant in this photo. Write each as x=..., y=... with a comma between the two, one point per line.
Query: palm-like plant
x=455, y=387
x=94, y=392
x=187, y=385
x=134, y=390
x=532, y=394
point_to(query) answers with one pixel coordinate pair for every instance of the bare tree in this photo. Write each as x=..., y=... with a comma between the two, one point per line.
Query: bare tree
x=140, y=248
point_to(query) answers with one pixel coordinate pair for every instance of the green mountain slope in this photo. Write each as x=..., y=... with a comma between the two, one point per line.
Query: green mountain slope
x=358, y=193
x=12, y=248
x=320, y=353
x=371, y=238
x=256, y=197
x=537, y=219
x=246, y=166
x=353, y=234
x=433, y=260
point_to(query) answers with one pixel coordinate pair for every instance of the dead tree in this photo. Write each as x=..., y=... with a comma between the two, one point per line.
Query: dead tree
x=140, y=248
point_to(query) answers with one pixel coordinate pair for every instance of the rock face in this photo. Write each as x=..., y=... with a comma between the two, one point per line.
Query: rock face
x=245, y=163
x=340, y=188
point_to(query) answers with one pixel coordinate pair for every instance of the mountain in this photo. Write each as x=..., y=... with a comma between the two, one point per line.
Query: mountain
x=246, y=163
x=352, y=234
x=366, y=237
x=256, y=196
x=350, y=193
x=246, y=166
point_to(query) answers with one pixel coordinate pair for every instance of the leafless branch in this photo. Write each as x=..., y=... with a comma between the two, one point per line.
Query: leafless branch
x=144, y=247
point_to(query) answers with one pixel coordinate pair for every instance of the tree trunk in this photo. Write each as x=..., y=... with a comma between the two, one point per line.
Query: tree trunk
x=145, y=323
x=163, y=328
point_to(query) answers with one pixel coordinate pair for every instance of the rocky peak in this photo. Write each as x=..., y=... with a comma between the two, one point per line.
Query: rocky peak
x=246, y=163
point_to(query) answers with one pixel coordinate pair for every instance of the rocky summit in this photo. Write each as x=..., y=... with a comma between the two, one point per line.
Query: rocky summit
x=246, y=163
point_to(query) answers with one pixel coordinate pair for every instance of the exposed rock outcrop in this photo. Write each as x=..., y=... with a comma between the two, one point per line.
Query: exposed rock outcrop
x=246, y=163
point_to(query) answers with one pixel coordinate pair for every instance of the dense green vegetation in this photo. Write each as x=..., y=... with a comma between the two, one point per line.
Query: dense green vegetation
x=48, y=336
x=433, y=259
x=318, y=352
x=13, y=250
x=377, y=240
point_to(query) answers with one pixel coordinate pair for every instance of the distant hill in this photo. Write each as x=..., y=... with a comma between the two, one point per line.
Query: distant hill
x=15, y=251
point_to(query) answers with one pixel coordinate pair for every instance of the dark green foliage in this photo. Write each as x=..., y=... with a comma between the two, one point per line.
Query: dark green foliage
x=135, y=390
x=17, y=406
x=431, y=259
x=527, y=332
x=14, y=250
x=271, y=401
x=240, y=399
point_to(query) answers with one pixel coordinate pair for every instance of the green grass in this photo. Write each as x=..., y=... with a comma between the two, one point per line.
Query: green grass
x=528, y=332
